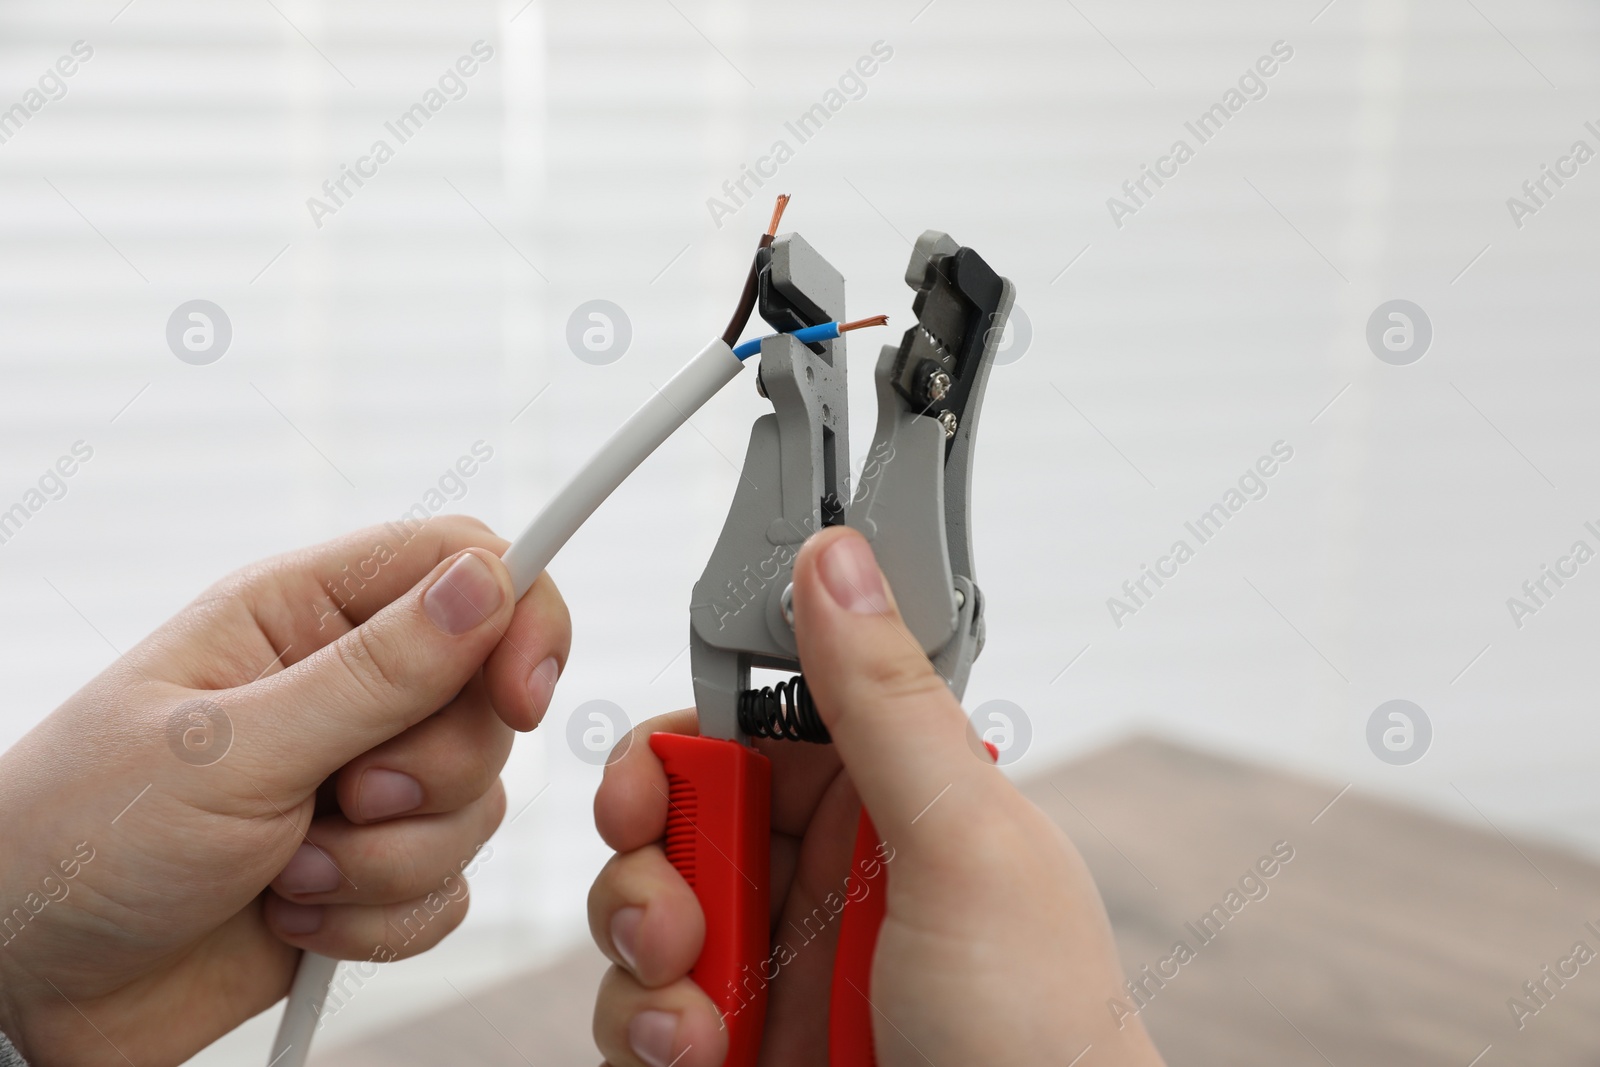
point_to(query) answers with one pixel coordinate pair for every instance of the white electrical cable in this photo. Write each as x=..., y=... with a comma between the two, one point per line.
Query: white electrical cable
x=311, y=981
x=532, y=551
x=673, y=403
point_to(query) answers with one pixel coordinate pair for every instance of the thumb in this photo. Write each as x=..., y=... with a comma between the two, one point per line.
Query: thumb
x=899, y=730
x=389, y=673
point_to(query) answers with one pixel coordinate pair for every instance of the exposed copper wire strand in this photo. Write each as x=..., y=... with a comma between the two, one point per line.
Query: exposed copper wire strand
x=777, y=214
x=861, y=324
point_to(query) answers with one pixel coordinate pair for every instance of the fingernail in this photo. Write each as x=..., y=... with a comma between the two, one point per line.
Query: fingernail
x=851, y=576
x=298, y=918
x=384, y=793
x=625, y=935
x=464, y=596
x=652, y=1035
x=310, y=871
x=542, y=685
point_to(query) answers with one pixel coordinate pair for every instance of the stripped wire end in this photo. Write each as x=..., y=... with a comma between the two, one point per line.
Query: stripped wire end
x=861, y=324
x=777, y=214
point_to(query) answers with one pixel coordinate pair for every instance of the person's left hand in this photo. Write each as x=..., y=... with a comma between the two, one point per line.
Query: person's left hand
x=331, y=723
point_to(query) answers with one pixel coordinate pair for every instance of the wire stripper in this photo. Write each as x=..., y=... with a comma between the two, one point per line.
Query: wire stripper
x=912, y=503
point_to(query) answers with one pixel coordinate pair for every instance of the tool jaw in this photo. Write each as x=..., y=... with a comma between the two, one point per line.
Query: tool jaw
x=914, y=499
x=795, y=474
x=799, y=288
x=958, y=464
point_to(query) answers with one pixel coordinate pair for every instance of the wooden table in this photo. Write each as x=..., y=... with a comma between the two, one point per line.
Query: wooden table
x=1390, y=938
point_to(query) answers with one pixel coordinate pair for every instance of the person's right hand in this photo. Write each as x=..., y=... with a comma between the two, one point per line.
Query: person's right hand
x=995, y=948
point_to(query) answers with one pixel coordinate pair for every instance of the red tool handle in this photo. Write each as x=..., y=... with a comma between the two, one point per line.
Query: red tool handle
x=867, y=898
x=866, y=895
x=719, y=825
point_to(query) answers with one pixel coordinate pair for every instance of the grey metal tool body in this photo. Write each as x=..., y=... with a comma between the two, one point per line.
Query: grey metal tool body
x=912, y=502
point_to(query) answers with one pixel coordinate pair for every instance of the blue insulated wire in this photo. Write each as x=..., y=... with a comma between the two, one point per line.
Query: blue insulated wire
x=809, y=335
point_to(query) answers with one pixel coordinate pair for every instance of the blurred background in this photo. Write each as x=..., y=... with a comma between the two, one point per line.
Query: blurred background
x=352, y=351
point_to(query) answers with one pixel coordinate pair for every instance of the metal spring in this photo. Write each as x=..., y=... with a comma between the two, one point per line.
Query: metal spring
x=783, y=712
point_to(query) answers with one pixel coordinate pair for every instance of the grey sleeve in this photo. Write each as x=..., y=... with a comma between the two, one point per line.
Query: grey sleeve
x=9, y=1056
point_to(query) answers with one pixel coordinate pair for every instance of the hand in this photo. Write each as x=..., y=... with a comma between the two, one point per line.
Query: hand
x=331, y=723
x=995, y=948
